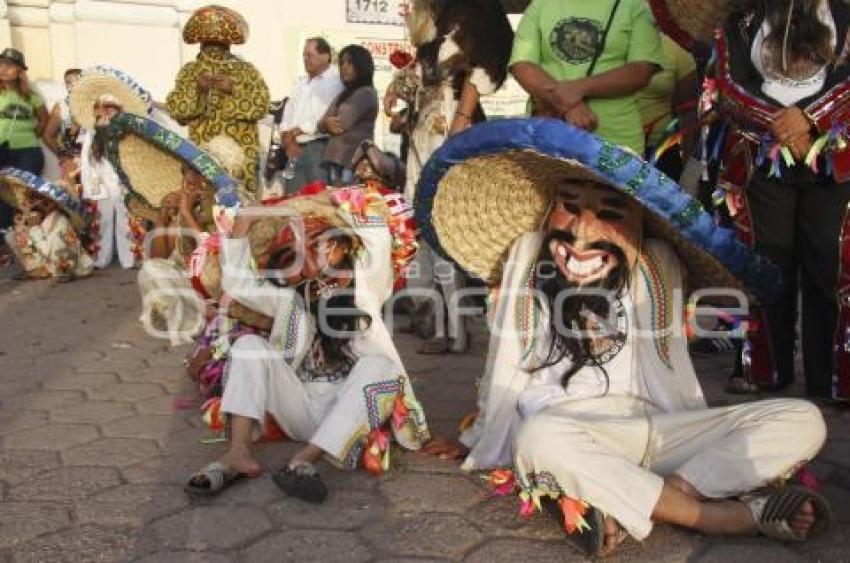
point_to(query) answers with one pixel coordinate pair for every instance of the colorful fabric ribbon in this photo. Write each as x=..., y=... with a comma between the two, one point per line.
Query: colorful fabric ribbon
x=376, y=454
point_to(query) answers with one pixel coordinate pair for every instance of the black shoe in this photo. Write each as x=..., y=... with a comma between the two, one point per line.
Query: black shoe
x=588, y=541
x=301, y=482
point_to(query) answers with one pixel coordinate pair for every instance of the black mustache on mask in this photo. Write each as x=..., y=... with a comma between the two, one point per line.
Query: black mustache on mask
x=609, y=282
x=576, y=310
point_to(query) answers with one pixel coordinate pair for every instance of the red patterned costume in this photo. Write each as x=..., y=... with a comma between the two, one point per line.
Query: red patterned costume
x=795, y=211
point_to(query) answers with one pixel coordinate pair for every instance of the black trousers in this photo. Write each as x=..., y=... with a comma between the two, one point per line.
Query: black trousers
x=797, y=221
x=31, y=160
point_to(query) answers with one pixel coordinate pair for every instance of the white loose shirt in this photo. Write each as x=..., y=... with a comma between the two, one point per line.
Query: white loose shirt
x=618, y=374
x=308, y=102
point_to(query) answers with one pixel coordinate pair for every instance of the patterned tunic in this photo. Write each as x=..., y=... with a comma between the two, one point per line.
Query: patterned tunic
x=50, y=248
x=214, y=112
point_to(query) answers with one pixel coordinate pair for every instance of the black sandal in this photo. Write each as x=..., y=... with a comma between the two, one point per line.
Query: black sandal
x=212, y=480
x=301, y=481
x=589, y=541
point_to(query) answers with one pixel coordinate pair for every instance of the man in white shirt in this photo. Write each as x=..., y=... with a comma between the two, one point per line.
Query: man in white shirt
x=589, y=392
x=304, y=146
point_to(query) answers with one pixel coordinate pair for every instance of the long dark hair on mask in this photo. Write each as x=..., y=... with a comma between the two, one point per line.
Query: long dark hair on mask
x=101, y=137
x=576, y=309
x=809, y=39
x=338, y=321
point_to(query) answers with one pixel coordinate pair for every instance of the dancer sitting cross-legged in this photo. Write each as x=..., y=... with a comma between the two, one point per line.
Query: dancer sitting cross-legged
x=589, y=395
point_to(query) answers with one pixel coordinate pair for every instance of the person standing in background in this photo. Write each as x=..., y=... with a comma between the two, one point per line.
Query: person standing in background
x=219, y=93
x=304, y=144
x=62, y=133
x=584, y=62
x=350, y=119
x=671, y=94
x=462, y=50
x=22, y=121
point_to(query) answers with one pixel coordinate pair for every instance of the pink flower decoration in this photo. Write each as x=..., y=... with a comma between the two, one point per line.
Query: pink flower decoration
x=808, y=479
x=502, y=482
x=350, y=200
x=526, y=506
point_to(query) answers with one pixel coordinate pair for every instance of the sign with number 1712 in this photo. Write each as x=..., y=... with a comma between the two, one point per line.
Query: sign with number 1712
x=374, y=11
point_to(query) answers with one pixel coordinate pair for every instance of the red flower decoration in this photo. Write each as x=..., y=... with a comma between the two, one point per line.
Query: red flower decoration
x=401, y=59
x=502, y=482
x=313, y=188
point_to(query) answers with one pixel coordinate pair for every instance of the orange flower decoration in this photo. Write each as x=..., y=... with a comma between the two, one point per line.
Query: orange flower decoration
x=573, y=511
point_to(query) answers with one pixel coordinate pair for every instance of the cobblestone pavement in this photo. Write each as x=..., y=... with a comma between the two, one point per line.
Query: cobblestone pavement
x=93, y=453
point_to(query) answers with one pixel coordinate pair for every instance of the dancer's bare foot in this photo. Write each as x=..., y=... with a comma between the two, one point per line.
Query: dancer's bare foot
x=614, y=536
x=803, y=521
x=239, y=460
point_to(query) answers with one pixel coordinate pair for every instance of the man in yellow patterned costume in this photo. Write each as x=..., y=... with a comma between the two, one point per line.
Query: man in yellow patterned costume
x=219, y=93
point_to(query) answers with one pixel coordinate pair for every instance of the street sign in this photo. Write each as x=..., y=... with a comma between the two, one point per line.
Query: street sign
x=374, y=11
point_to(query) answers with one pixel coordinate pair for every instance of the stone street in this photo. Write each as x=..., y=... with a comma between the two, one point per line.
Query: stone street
x=93, y=454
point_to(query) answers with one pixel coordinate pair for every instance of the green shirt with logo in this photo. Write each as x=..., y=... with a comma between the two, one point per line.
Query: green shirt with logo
x=19, y=118
x=562, y=37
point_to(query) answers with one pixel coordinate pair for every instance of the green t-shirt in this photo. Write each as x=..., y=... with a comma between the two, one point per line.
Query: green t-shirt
x=18, y=119
x=561, y=36
x=655, y=102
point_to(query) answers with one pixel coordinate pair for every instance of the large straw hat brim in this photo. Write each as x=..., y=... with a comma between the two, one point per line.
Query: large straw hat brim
x=264, y=231
x=484, y=188
x=94, y=84
x=149, y=159
x=16, y=184
x=152, y=172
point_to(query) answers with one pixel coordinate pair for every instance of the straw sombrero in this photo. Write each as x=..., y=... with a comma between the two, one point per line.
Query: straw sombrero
x=344, y=209
x=98, y=81
x=686, y=21
x=487, y=186
x=149, y=159
x=318, y=205
x=216, y=24
x=15, y=184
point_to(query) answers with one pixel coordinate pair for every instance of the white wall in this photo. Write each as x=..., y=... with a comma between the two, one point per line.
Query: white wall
x=143, y=38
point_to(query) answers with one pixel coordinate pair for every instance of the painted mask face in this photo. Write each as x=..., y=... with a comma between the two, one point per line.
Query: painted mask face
x=192, y=180
x=592, y=228
x=323, y=258
x=104, y=112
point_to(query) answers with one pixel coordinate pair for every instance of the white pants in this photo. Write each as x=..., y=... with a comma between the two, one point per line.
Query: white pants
x=114, y=233
x=335, y=417
x=612, y=454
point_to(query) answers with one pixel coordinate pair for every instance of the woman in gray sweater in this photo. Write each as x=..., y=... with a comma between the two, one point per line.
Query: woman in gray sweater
x=350, y=119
